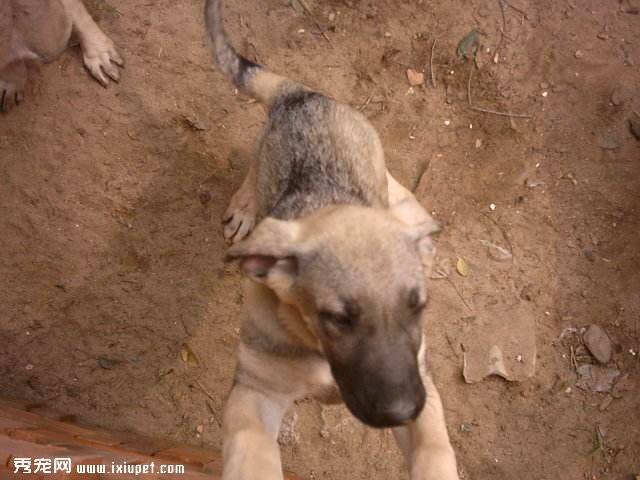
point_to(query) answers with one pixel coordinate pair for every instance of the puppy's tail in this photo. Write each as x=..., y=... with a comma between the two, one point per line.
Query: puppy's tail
x=247, y=76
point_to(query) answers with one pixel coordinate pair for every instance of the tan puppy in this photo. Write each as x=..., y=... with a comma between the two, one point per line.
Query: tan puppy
x=337, y=268
x=40, y=30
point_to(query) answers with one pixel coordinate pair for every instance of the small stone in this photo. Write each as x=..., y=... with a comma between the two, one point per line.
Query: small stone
x=608, y=143
x=464, y=428
x=603, y=36
x=617, y=97
x=387, y=34
x=579, y=54
x=332, y=17
x=478, y=143
x=415, y=78
x=598, y=343
x=588, y=253
x=199, y=429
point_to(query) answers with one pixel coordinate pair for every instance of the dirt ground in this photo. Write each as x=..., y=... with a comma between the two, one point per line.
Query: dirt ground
x=112, y=251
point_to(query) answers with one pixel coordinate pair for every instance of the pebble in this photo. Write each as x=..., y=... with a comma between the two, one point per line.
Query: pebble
x=617, y=97
x=608, y=143
x=590, y=255
x=598, y=343
x=579, y=54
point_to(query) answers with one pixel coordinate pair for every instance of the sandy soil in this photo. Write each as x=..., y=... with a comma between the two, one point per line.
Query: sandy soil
x=110, y=199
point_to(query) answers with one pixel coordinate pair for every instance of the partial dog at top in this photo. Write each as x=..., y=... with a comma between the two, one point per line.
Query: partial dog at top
x=337, y=253
x=40, y=30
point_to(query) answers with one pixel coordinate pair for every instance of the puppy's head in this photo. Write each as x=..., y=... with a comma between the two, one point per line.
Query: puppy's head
x=357, y=277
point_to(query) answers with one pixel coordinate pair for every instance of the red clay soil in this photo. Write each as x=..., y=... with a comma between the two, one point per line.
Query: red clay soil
x=112, y=256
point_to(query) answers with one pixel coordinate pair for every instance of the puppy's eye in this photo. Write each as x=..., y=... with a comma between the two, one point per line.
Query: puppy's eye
x=417, y=303
x=341, y=321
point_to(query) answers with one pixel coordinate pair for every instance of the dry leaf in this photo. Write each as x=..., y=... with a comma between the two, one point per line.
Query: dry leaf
x=415, y=78
x=496, y=251
x=188, y=356
x=462, y=267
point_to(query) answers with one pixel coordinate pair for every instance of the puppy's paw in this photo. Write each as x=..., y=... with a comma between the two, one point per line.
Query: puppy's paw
x=101, y=58
x=11, y=94
x=240, y=217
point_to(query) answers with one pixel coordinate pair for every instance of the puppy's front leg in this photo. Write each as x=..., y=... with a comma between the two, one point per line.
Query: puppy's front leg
x=240, y=216
x=99, y=53
x=425, y=441
x=250, y=435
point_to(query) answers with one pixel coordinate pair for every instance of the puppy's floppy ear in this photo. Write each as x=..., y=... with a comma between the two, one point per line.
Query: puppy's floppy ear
x=421, y=227
x=422, y=234
x=270, y=253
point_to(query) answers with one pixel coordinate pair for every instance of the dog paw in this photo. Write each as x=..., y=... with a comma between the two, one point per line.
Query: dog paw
x=240, y=218
x=102, y=59
x=11, y=94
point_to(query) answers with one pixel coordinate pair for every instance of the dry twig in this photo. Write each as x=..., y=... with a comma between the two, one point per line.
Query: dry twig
x=503, y=232
x=433, y=74
x=459, y=294
x=202, y=388
x=306, y=8
x=520, y=11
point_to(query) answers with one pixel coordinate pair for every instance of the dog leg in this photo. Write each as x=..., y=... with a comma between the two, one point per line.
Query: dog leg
x=250, y=435
x=99, y=53
x=240, y=217
x=425, y=442
x=12, y=80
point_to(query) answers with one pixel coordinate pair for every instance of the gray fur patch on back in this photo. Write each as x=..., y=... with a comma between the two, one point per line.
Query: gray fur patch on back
x=305, y=160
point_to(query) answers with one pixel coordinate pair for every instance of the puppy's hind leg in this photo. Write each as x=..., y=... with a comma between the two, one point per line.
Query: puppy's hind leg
x=99, y=53
x=250, y=435
x=240, y=216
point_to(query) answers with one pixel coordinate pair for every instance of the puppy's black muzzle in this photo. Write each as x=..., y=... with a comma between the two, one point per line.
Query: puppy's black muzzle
x=382, y=386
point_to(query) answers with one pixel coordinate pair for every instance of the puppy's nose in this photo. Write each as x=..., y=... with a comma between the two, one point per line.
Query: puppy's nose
x=399, y=412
